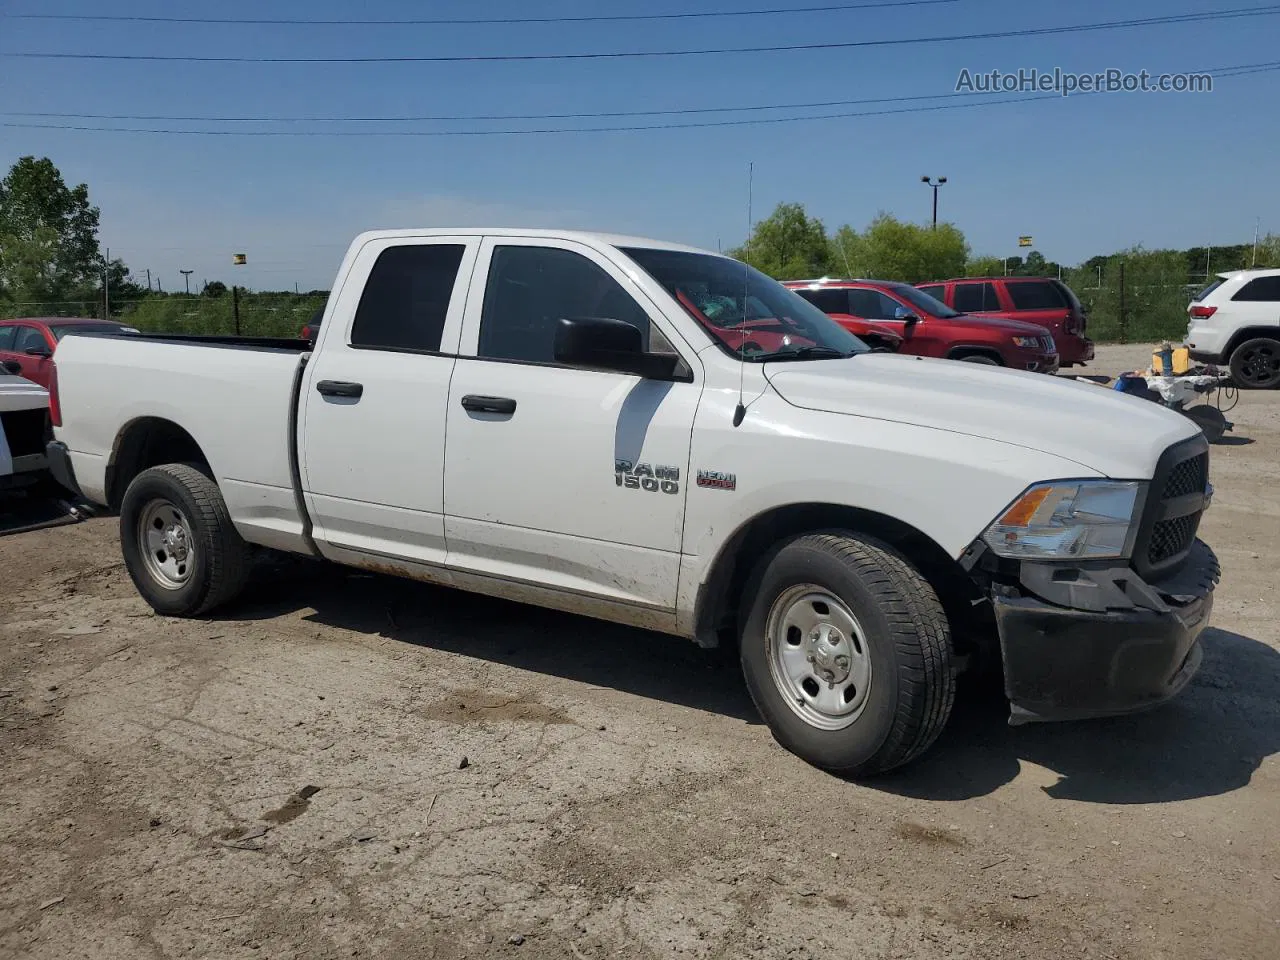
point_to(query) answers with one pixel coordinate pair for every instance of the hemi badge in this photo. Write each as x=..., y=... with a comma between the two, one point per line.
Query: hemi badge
x=715, y=480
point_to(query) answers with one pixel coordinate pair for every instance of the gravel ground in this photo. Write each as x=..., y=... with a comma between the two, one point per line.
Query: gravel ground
x=346, y=765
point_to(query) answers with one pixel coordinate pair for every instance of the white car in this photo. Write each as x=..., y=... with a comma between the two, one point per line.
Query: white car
x=1235, y=322
x=24, y=419
x=662, y=436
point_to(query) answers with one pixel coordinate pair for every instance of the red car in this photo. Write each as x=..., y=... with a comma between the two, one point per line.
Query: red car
x=1044, y=301
x=27, y=343
x=930, y=328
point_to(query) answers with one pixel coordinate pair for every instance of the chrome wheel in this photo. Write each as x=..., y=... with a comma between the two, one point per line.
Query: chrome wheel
x=166, y=543
x=818, y=656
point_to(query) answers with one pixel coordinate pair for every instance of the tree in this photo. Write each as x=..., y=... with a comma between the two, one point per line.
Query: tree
x=788, y=245
x=48, y=234
x=214, y=289
x=891, y=249
x=984, y=267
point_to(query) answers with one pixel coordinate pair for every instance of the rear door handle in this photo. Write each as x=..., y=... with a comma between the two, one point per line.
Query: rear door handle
x=477, y=404
x=340, y=388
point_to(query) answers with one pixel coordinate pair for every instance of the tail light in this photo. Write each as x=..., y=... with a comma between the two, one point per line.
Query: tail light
x=1072, y=326
x=55, y=404
x=1201, y=312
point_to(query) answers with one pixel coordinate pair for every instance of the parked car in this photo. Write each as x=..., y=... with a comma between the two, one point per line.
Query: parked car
x=930, y=328
x=24, y=429
x=858, y=525
x=311, y=329
x=1235, y=321
x=1044, y=301
x=29, y=342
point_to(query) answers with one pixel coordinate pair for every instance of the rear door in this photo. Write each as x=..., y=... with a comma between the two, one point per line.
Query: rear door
x=8, y=333
x=1039, y=302
x=555, y=475
x=373, y=403
x=978, y=296
x=1257, y=303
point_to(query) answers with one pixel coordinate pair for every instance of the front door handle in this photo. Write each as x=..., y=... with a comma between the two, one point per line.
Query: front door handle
x=340, y=388
x=477, y=404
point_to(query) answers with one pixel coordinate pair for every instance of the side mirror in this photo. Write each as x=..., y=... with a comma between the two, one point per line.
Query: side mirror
x=12, y=367
x=605, y=344
x=43, y=352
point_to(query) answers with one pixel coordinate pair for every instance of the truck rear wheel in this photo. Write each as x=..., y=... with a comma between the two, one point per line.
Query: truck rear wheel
x=846, y=652
x=180, y=547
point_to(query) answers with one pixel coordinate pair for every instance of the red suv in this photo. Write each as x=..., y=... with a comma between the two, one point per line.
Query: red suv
x=930, y=328
x=27, y=344
x=1040, y=300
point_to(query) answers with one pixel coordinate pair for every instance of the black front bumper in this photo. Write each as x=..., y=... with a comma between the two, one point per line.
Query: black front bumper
x=1135, y=649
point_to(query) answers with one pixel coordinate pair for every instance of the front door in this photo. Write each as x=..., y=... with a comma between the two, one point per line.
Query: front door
x=373, y=403
x=565, y=477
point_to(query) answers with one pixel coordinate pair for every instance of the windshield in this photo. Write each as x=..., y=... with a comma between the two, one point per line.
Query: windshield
x=923, y=302
x=60, y=330
x=747, y=313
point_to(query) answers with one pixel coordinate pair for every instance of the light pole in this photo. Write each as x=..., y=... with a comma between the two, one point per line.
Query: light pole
x=186, y=278
x=935, y=184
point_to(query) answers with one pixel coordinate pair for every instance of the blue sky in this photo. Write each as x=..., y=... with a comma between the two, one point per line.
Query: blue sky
x=1083, y=175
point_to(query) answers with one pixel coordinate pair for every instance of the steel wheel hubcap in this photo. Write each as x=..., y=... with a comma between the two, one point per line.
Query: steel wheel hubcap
x=168, y=548
x=818, y=656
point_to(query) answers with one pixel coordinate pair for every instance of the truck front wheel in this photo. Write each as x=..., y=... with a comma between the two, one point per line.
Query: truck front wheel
x=846, y=652
x=180, y=547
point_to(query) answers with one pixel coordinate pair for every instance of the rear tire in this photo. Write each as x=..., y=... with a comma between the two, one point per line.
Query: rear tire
x=1255, y=364
x=180, y=547
x=847, y=653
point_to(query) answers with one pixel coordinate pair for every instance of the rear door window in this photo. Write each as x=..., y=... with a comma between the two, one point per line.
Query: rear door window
x=1261, y=290
x=1032, y=295
x=828, y=301
x=976, y=297
x=936, y=290
x=406, y=299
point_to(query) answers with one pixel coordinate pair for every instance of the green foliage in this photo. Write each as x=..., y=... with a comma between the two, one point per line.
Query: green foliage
x=214, y=289
x=788, y=245
x=893, y=250
x=48, y=234
x=261, y=314
x=1151, y=305
x=984, y=267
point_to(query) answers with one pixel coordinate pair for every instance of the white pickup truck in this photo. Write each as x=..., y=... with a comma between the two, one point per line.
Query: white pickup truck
x=661, y=436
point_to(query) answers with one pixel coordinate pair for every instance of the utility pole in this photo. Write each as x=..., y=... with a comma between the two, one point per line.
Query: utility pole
x=186, y=278
x=935, y=184
x=106, y=286
x=1257, y=226
x=1124, y=326
x=235, y=306
x=148, y=279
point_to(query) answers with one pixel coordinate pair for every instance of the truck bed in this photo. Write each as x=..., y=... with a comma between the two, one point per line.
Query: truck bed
x=234, y=396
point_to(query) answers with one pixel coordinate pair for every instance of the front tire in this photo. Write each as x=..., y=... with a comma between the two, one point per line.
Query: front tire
x=980, y=358
x=180, y=547
x=847, y=653
x=1255, y=364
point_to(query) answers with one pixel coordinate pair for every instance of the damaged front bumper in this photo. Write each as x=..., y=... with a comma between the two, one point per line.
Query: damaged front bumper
x=1090, y=641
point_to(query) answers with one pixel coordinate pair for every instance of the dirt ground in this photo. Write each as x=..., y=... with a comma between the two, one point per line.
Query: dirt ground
x=344, y=765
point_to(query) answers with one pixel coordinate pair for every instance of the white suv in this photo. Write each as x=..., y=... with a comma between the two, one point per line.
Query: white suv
x=1236, y=321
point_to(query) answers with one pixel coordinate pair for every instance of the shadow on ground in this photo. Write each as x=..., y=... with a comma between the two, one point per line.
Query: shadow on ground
x=588, y=651
x=1208, y=741
x=21, y=512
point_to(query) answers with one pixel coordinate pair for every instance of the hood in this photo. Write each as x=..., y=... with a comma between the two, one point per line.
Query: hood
x=17, y=393
x=1015, y=328
x=1108, y=432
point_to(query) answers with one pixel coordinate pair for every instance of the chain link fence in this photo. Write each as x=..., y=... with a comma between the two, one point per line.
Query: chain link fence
x=259, y=314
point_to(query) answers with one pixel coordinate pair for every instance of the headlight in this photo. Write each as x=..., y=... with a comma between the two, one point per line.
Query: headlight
x=1029, y=343
x=1074, y=520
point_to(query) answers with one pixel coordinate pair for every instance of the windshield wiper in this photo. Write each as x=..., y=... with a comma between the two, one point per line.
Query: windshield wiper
x=816, y=352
